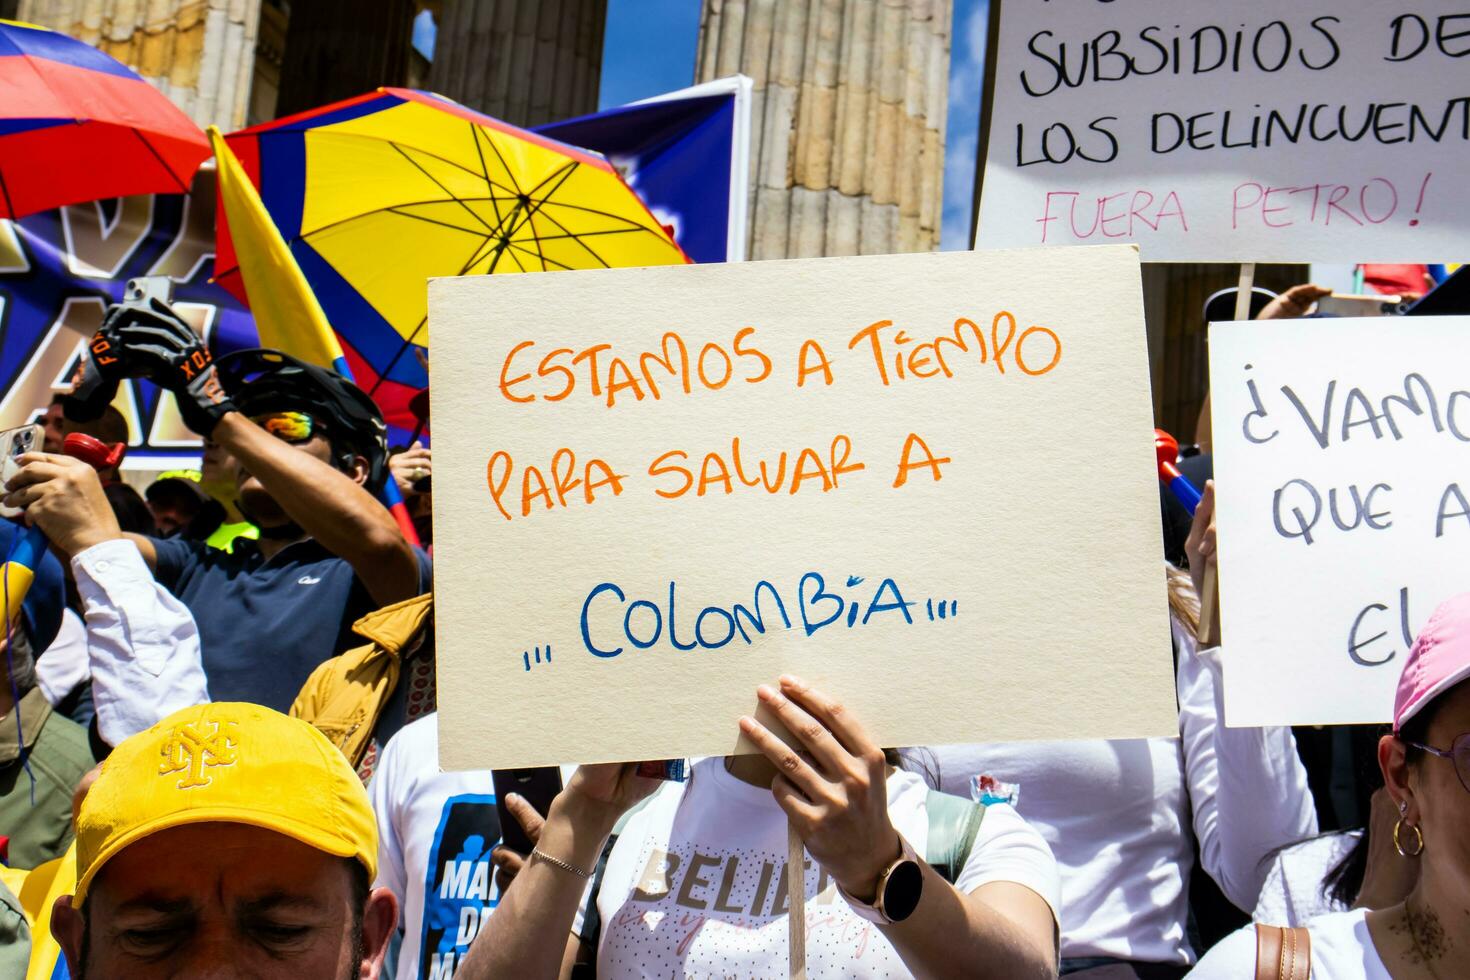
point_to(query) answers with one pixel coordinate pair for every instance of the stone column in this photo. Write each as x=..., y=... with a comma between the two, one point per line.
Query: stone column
x=524, y=61
x=847, y=142
x=200, y=53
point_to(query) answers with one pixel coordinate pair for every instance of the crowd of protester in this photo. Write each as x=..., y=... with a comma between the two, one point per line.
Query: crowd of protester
x=218, y=757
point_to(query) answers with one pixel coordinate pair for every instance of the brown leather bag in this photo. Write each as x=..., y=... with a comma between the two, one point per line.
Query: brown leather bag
x=1283, y=953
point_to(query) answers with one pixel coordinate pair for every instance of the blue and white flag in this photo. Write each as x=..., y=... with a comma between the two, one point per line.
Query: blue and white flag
x=687, y=154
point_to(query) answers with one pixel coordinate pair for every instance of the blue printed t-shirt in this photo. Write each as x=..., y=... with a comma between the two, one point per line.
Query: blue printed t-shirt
x=265, y=625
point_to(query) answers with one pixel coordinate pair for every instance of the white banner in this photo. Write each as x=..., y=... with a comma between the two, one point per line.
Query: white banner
x=1342, y=449
x=1253, y=131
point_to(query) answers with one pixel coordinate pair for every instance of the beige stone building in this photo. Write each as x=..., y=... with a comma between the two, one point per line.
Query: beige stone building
x=236, y=62
x=201, y=53
x=847, y=138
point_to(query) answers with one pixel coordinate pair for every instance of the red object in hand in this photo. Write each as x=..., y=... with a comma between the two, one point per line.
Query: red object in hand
x=1166, y=447
x=94, y=452
x=1166, y=450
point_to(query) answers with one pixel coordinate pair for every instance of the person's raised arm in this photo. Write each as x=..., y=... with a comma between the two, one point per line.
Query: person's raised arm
x=1247, y=787
x=835, y=794
x=145, y=548
x=152, y=341
x=77, y=514
x=63, y=497
x=142, y=644
x=528, y=936
x=329, y=505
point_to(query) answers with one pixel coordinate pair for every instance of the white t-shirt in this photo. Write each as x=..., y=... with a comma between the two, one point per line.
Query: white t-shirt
x=1342, y=949
x=695, y=885
x=63, y=665
x=1292, y=894
x=1117, y=814
x=435, y=833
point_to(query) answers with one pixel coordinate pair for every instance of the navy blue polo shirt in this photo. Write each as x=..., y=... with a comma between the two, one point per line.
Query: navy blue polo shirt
x=265, y=625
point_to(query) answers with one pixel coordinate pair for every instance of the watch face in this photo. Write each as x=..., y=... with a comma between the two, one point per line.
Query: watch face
x=901, y=891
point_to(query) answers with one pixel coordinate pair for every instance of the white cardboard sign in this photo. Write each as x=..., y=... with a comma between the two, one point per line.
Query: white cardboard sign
x=924, y=483
x=1342, y=449
x=1249, y=131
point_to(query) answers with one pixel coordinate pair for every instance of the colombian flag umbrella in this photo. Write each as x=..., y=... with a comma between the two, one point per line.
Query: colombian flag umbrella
x=377, y=194
x=76, y=125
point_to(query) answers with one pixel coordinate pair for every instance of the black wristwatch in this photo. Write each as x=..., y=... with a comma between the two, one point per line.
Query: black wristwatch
x=899, y=888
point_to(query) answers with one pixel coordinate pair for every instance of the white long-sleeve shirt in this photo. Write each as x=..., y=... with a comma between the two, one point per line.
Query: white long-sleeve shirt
x=1248, y=785
x=1117, y=815
x=142, y=644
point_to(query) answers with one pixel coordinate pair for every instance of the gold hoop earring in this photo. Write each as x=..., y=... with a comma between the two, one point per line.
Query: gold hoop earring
x=1418, y=840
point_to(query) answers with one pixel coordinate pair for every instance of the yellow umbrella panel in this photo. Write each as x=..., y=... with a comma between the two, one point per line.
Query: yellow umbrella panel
x=377, y=194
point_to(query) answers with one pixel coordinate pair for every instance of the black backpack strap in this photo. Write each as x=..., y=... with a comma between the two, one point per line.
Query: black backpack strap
x=954, y=823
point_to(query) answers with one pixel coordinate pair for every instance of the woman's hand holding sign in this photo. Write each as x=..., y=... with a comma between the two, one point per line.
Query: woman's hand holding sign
x=1200, y=547
x=835, y=791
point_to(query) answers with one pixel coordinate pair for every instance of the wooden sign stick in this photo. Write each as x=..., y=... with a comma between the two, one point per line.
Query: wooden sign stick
x=1207, y=609
x=796, y=901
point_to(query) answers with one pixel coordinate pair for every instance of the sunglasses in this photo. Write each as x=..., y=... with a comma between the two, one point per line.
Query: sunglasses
x=1458, y=753
x=290, y=427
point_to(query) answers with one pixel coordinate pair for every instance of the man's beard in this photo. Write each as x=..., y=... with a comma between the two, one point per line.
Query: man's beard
x=288, y=531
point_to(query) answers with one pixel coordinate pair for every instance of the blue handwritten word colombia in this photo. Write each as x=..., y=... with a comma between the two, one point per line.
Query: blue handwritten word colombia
x=645, y=623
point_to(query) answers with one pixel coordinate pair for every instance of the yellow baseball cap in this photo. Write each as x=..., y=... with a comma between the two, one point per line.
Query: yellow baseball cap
x=226, y=763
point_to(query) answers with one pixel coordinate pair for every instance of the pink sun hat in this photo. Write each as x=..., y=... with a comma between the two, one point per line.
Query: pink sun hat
x=1438, y=660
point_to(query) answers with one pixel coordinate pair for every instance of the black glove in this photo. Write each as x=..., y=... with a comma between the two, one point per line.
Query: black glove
x=149, y=340
x=95, y=384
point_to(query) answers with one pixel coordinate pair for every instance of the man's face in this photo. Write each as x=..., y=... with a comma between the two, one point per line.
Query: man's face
x=256, y=502
x=171, y=515
x=52, y=433
x=217, y=469
x=224, y=900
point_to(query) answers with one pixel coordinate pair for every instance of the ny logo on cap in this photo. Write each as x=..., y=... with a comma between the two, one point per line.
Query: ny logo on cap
x=192, y=747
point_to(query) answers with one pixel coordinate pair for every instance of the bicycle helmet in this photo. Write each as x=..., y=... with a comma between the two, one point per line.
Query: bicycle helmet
x=260, y=380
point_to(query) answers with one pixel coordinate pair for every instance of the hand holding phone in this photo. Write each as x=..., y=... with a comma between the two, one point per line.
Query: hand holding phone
x=15, y=443
x=1339, y=304
x=538, y=787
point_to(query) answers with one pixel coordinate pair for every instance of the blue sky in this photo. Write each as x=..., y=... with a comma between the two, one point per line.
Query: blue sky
x=961, y=134
x=648, y=48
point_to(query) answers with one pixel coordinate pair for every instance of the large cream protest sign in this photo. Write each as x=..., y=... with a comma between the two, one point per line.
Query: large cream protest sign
x=1344, y=507
x=1248, y=131
x=924, y=483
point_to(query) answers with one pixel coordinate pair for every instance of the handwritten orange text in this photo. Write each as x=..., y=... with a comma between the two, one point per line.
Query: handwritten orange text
x=1036, y=351
x=726, y=474
x=595, y=475
x=603, y=372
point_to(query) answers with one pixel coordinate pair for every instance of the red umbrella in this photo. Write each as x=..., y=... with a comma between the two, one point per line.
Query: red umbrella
x=76, y=125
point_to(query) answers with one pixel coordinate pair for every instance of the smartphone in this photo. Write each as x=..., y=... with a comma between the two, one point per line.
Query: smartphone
x=139, y=291
x=537, y=786
x=1339, y=304
x=14, y=443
